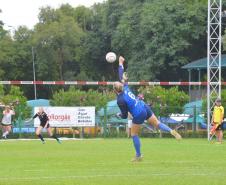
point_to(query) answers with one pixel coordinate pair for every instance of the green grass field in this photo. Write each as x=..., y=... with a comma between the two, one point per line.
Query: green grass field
x=107, y=162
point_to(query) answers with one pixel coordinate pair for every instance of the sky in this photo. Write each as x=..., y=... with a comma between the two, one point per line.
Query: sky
x=25, y=12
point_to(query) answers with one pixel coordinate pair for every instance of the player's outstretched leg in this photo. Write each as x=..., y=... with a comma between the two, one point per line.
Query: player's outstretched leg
x=176, y=134
x=165, y=128
x=154, y=121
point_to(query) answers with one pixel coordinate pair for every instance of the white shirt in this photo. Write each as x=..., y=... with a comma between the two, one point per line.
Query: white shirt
x=7, y=117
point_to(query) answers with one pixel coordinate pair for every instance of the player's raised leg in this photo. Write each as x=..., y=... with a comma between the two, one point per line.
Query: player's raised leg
x=154, y=121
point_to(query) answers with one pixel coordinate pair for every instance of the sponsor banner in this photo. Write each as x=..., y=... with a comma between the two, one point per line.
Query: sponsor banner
x=68, y=116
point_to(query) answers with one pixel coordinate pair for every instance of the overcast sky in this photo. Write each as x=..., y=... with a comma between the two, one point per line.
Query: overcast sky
x=25, y=12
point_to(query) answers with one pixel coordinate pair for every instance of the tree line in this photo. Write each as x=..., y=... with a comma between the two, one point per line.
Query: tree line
x=156, y=37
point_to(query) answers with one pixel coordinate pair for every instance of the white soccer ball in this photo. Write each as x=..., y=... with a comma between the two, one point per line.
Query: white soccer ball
x=111, y=57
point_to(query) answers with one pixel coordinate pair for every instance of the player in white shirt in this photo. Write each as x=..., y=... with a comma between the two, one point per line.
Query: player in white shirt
x=6, y=122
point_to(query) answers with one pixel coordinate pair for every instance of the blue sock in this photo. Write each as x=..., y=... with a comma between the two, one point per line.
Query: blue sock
x=136, y=143
x=164, y=127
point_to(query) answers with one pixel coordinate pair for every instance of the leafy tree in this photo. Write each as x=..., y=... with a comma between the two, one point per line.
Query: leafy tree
x=2, y=31
x=6, y=55
x=84, y=17
x=57, y=39
x=16, y=98
x=1, y=92
x=223, y=101
x=22, y=59
x=224, y=40
x=156, y=37
x=76, y=97
x=164, y=37
x=165, y=101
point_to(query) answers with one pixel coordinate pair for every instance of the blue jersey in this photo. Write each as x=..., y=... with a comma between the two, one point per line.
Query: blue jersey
x=127, y=101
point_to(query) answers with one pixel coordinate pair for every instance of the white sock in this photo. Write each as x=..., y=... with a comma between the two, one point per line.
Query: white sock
x=5, y=133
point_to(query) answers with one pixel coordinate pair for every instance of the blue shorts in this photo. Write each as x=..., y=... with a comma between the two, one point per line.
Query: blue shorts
x=145, y=114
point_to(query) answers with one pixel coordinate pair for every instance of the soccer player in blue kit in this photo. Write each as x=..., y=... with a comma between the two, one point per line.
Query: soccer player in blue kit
x=140, y=112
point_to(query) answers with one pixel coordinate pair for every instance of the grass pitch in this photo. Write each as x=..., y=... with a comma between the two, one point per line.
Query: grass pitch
x=107, y=162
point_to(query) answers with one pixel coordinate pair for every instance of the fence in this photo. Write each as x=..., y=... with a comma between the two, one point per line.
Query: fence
x=193, y=120
x=189, y=121
x=186, y=120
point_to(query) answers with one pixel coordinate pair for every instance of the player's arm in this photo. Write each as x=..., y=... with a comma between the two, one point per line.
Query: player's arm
x=35, y=116
x=123, y=108
x=12, y=112
x=212, y=120
x=222, y=114
x=214, y=127
x=122, y=75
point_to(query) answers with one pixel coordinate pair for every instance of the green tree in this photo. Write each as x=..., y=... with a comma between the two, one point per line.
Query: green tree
x=165, y=101
x=16, y=98
x=223, y=101
x=84, y=17
x=158, y=37
x=6, y=55
x=2, y=31
x=224, y=40
x=77, y=97
x=15, y=57
x=57, y=39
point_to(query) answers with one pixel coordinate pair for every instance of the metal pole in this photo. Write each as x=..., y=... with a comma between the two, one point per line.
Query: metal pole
x=33, y=60
x=194, y=119
x=200, y=94
x=105, y=121
x=220, y=44
x=189, y=76
x=213, y=56
x=208, y=75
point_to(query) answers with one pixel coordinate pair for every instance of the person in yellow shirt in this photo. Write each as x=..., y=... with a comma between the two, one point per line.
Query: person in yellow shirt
x=217, y=120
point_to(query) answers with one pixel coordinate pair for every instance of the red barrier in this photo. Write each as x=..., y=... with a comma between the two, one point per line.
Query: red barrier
x=144, y=83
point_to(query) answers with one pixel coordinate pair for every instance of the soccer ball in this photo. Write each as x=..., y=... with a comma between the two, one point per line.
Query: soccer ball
x=111, y=57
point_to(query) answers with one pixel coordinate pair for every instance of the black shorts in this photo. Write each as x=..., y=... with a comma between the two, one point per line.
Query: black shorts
x=43, y=125
x=220, y=127
x=6, y=124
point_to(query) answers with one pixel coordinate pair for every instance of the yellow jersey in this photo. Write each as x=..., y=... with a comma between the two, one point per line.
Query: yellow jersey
x=218, y=114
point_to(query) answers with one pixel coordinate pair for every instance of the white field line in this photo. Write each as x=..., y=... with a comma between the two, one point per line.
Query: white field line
x=111, y=175
x=61, y=138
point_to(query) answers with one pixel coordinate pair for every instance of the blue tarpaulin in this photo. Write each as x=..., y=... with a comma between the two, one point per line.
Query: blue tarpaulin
x=111, y=108
x=189, y=107
x=168, y=120
x=38, y=103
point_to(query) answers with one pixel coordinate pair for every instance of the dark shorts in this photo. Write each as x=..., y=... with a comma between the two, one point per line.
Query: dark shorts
x=220, y=127
x=145, y=114
x=6, y=124
x=43, y=125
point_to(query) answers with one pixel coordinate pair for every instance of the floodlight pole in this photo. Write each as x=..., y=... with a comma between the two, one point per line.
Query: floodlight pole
x=34, y=77
x=213, y=57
